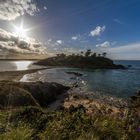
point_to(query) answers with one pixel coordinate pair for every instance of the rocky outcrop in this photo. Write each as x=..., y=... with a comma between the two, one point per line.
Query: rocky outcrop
x=74, y=73
x=89, y=62
x=13, y=94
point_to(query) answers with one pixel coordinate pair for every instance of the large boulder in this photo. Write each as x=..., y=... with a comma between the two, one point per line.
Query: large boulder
x=13, y=94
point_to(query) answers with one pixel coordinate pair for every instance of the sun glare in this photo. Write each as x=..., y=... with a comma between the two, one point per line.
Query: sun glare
x=21, y=32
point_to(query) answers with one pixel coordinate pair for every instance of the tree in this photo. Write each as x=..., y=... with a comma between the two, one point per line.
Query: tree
x=88, y=53
x=94, y=55
x=73, y=54
x=99, y=55
x=58, y=55
x=104, y=54
x=82, y=53
x=61, y=55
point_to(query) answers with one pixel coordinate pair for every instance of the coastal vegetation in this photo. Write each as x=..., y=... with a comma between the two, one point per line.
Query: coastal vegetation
x=32, y=119
x=85, y=60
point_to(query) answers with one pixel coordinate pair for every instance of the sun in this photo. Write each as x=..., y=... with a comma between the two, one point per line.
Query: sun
x=20, y=32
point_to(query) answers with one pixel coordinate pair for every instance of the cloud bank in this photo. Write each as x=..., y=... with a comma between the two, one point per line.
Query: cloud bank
x=12, y=44
x=125, y=52
x=11, y=9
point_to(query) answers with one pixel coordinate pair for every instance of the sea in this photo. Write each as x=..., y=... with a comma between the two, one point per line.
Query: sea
x=14, y=65
x=115, y=83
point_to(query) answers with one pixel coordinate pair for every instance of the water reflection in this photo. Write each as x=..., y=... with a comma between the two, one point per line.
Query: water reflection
x=15, y=65
x=22, y=65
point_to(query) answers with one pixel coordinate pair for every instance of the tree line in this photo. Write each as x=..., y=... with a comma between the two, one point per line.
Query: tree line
x=87, y=53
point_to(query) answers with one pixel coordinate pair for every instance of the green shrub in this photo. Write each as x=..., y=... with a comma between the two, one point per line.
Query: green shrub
x=78, y=125
x=72, y=124
x=21, y=132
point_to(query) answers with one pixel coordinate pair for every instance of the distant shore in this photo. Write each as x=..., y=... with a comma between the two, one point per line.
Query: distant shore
x=20, y=59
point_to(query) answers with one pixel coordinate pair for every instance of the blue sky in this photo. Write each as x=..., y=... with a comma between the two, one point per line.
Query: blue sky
x=101, y=25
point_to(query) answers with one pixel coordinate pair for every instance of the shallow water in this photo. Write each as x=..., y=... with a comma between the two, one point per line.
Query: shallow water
x=16, y=65
x=117, y=83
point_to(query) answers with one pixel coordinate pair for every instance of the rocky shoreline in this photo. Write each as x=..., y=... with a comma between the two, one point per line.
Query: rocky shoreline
x=72, y=97
x=51, y=109
x=55, y=97
x=48, y=105
x=19, y=94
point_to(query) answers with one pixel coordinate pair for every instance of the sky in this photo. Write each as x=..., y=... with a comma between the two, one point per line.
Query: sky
x=52, y=26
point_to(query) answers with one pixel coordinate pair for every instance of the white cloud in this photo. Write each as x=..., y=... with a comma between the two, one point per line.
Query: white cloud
x=4, y=35
x=11, y=9
x=45, y=8
x=81, y=38
x=97, y=31
x=118, y=21
x=74, y=38
x=59, y=41
x=11, y=43
x=105, y=44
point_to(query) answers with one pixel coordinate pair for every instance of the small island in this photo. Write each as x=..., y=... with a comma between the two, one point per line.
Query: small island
x=84, y=60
